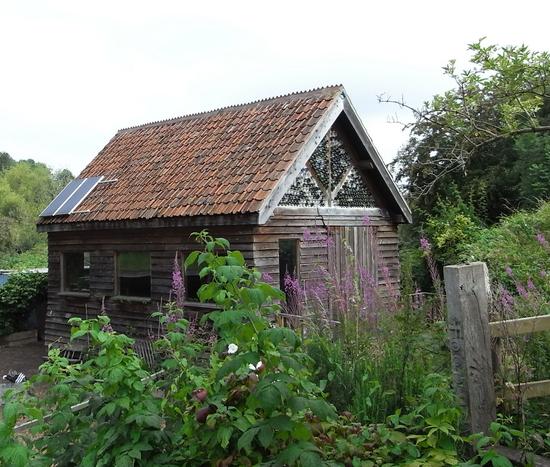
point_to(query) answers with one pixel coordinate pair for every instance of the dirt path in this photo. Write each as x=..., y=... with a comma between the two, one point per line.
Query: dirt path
x=26, y=358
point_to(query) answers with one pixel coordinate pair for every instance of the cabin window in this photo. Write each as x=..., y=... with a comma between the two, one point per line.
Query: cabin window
x=288, y=261
x=193, y=283
x=76, y=271
x=134, y=274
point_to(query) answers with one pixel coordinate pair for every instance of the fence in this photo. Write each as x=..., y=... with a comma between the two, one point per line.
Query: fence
x=470, y=333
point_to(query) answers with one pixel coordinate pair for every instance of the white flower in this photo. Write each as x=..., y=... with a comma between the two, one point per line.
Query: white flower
x=256, y=367
x=232, y=348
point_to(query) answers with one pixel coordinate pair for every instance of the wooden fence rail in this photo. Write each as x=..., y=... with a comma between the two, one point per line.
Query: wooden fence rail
x=470, y=332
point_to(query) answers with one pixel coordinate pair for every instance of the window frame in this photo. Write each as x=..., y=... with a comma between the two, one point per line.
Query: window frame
x=118, y=294
x=63, y=285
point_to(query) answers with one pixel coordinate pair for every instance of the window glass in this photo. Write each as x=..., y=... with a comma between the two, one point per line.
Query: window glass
x=134, y=273
x=76, y=271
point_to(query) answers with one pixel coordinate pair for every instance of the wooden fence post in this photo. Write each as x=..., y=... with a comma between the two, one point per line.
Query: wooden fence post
x=468, y=294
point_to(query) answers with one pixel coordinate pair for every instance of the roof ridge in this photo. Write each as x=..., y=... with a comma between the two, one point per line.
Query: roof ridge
x=233, y=106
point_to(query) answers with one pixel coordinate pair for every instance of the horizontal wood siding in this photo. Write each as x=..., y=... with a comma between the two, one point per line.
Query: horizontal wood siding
x=373, y=246
x=130, y=317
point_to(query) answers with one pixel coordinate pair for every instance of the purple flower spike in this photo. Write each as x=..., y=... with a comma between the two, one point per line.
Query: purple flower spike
x=425, y=244
x=509, y=271
x=178, y=288
x=522, y=291
x=542, y=241
x=266, y=277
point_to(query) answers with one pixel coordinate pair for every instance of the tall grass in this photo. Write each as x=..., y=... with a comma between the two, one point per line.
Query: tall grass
x=374, y=346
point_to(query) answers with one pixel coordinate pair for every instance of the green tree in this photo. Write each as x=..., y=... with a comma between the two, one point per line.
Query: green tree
x=467, y=135
x=26, y=187
x=5, y=161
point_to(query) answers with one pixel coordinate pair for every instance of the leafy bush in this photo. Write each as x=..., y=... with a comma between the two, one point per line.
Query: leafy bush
x=253, y=403
x=518, y=242
x=22, y=294
x=37, y=257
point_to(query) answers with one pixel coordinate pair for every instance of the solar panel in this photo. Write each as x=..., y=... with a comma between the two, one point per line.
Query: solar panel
x=71, y=196
x=61, y=197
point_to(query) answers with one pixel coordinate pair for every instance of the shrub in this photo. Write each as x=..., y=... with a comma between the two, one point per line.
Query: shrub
x=517, y=249
x=22, y=294
x=253, y=404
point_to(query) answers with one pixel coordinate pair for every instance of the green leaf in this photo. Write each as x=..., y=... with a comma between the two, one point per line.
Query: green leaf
x=230, y=273
x=124, y=461
x=310, y=459
x=246, y=438
x=235, y=258
x=265, y=437
x=15, y=455
x=191, y=258
x=224, y=435
x=301, y=432
x=233, y=364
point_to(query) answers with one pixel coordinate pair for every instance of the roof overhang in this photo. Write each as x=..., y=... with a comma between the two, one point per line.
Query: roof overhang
x=196, y=222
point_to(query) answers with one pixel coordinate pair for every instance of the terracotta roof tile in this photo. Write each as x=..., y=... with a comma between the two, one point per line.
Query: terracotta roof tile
x=221, y=162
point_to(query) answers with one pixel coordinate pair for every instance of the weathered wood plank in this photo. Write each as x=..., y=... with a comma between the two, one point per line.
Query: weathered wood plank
x=467, y=289
x=529, y=390
x=516, y=327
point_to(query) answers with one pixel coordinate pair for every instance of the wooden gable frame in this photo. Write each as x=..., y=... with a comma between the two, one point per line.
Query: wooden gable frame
x=340, y=109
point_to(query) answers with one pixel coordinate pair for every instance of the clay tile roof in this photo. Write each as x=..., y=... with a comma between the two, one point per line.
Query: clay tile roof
x=221, y=162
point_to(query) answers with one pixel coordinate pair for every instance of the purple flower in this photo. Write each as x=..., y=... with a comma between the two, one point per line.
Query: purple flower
x=266, y=277
x=328, y=241
x=530, y=284
x=308, y=236
x=509, y=271
x=506, y=299
x=107, y=328
x=522, y=291
x=542, y=274
x=178, y=288
x=425, y=244
x=542, y=241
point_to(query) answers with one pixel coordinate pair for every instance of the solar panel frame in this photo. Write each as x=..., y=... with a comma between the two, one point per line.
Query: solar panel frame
x=60, y=199
x=79, y=195
x=68, y=200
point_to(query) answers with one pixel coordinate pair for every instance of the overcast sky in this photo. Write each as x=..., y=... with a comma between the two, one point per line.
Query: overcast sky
x=73, y=73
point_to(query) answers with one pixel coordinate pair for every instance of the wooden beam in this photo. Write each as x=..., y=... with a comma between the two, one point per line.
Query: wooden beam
x=517, y=327
x=330, y=211
x=529, y=390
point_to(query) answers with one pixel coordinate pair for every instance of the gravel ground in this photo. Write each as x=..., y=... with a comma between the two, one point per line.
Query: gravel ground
x=25, y=359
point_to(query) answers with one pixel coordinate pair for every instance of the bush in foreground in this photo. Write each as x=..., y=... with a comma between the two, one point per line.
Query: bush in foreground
x=253, y=403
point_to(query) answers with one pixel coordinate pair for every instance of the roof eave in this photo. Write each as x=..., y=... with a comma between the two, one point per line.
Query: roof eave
x=369, y=146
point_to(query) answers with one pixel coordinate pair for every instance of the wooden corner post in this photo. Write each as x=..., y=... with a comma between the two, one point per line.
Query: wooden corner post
x=468, y=295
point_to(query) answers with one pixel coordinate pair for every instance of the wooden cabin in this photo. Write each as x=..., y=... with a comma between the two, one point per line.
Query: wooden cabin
x=258, y=174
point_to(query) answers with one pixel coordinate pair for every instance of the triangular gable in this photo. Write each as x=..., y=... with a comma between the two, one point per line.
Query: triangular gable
x=329, y=178
x=348, y=181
